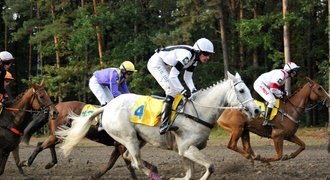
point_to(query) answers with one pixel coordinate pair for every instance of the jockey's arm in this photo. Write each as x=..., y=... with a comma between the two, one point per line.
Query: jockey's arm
x=174, y=77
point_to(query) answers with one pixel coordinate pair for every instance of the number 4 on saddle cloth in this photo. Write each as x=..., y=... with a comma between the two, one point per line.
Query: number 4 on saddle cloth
x=88, y=110
x=262, y=108
x=147, y=110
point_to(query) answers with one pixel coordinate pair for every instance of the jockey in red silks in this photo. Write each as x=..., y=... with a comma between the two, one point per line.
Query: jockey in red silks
x=270, y=84
x=6, y=59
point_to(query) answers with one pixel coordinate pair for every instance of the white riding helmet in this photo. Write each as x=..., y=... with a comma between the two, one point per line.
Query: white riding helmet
x=204, y=45
x=291, y=66
x=6, y=56
x=127, y=66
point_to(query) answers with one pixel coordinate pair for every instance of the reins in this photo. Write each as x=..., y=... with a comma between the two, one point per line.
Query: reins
x=200, y=121
x=296, y=107
x=42, y=108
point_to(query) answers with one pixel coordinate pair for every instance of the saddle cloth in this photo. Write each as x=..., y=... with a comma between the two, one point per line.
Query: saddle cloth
x=88, y=110
x=147, y=110
x=262, y=108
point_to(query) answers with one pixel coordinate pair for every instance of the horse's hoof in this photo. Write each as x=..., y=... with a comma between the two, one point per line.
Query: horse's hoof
x=285, y=157
x=23, y=164
x=257, y=158
x=49, y=165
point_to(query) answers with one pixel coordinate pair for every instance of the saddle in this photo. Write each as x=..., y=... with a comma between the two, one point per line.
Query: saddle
x=88, y=110
x=147, y=109
x=262, y=108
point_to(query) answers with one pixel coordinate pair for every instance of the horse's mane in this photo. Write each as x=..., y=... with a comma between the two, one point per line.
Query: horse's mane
x=296, y=91
x=18, y=97
x=203, y=90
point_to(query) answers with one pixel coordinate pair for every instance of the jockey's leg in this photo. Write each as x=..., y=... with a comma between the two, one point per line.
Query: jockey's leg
x=166, y=114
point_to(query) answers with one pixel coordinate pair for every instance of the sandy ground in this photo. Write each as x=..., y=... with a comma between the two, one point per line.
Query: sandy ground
x=88, y=157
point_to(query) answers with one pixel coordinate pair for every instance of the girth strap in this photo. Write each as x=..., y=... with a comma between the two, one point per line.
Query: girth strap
x=198, y=120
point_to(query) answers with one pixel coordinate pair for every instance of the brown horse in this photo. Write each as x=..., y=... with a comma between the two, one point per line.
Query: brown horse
x=286, y=123
x=64, y=109
x=16, y=117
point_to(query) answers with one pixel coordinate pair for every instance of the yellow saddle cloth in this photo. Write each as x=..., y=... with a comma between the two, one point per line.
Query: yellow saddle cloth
x=88, y=110
x=262, y=108
x=147, y=110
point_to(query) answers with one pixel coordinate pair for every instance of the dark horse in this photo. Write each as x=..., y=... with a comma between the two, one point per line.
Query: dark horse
x=64, y=109
x=16, y=117
x=286, y=123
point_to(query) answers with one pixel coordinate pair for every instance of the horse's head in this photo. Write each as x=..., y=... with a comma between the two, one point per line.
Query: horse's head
x=243, y=95
x=318, y=93
x=40, y=99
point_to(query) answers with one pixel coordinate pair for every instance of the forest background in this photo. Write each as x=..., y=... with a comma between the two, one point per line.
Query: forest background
x=65, y=41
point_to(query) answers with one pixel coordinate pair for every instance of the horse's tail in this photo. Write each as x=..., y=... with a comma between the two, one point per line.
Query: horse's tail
x=79, y=128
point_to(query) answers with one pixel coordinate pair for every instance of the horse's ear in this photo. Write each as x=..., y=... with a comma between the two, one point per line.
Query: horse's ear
x=30, y=83
x=230, y=76
x=310, y=80
x=42, y=83
x=238, y=76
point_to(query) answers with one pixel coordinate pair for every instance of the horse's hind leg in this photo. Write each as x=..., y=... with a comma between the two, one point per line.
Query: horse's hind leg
x=15, y=153
x=301, y=144
x=119, y=150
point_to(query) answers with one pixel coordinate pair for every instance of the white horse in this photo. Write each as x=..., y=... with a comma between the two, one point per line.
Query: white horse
x=195, y=121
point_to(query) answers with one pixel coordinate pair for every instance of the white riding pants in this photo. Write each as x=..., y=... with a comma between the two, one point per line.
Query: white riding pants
x=160, y=71
x=102, y=92
x=265, y=93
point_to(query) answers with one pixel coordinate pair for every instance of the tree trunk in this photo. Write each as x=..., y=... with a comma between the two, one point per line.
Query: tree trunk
x=223, y=40
x=286, y=42
x=329, y=57
x=98, y=35
x=241, y=48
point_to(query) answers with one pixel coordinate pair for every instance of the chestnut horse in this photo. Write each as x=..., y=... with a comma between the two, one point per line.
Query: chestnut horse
x=64, y=109
x=16, y=117
x=286, y=123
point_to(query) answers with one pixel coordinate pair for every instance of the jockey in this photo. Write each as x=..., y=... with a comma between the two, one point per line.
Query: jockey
x=6, y=59
x=269, y=84
x=105, y=83
x=165, y=66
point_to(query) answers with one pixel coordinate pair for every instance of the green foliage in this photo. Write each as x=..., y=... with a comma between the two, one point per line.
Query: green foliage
x=132, y=30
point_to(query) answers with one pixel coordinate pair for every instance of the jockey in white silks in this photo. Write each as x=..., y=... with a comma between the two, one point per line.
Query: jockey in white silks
x=165, y=66
x=105, y=83
x=269, y=84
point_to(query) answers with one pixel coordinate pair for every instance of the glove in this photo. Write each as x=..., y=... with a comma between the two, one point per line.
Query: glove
x=186, y=94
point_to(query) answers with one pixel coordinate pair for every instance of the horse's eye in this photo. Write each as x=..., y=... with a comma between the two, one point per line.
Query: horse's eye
x=320, y=89
x=241, y=91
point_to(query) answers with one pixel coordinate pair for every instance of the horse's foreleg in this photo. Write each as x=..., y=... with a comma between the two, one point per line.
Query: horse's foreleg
x=15, y=153
x=232, y=144
x=3, y=160
x=245, y=137
x=278, y=144
x=195, y=155
x=301, y=144
x=54, y=157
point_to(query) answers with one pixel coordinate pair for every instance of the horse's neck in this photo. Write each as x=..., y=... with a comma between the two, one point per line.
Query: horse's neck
x=19, y=107
x=208, y=102
x=298, y=101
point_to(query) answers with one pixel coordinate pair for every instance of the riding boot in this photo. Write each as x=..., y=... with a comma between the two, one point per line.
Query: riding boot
x=166, y=114
x=267, y=116
x=100, y=128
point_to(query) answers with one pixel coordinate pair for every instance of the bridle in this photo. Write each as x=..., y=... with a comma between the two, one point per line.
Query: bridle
x=35, y=96
x=303, y=108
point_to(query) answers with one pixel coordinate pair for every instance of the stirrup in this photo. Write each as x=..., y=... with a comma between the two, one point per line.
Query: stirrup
x=267, y=123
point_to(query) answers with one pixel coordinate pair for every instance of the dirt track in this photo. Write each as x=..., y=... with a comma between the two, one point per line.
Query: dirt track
x=313, y=163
